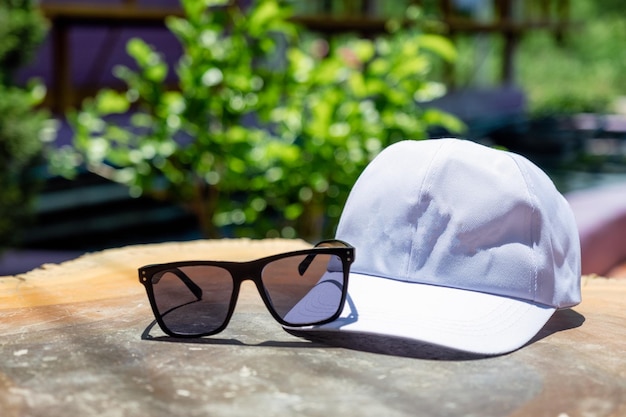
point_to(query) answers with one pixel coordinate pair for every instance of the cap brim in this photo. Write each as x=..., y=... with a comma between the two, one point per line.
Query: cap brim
x=456, y=319
x=320, y=302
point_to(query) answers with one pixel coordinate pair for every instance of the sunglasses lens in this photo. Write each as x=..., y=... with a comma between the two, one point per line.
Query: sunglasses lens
x=305, y=289
x=193, y=300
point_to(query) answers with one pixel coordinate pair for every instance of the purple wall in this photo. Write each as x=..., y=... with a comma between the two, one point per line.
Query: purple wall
x=96, y=49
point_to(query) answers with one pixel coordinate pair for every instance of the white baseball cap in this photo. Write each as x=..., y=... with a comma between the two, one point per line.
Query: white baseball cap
x=458, y=245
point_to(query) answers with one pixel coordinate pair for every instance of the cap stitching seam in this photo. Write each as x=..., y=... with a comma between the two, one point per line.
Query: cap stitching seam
x=429, y=174
x=533, y=201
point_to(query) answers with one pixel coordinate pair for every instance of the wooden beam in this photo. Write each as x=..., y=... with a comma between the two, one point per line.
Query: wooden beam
x=110, y=15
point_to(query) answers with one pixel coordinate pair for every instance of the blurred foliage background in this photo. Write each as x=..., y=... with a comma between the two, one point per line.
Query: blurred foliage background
x=22, y=127
x=269, y=124
x=586, y=70
x=580, y=69
x=268, y=127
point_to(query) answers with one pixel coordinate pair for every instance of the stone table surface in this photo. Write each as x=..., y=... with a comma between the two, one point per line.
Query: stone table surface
x=78, y=339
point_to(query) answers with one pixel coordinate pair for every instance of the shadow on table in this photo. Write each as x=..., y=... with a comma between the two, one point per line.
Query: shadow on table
x=380, y=344
x=561, y=320
x=212, y=340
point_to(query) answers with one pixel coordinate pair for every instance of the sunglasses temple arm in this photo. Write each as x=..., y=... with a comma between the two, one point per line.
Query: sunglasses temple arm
x=306, y=262
x=192, y=286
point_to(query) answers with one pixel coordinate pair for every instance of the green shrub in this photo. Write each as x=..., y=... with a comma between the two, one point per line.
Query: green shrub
x=264, y=136
x=348, y=100
x=21, y=126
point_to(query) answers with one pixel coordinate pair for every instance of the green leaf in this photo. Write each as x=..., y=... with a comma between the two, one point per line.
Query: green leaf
x=156, y=72
x=364, y=49
x=140, y=51
x=237, y=165
x=357, y=84
x=439, y=45
x=429, y=91
x=263, y=14
x=174, y=101
x=180, y=27
x=293, y=211
x=141, y=120
x=438, y=118
x=110, y=102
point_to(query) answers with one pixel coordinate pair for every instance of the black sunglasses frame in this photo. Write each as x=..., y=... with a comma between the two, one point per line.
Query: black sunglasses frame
x=247, y=270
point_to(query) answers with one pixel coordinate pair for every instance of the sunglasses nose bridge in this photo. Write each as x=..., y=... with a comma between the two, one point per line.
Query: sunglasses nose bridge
x=247, y=272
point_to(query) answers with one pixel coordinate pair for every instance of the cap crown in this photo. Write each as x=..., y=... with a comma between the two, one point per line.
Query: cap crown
x=458, y=214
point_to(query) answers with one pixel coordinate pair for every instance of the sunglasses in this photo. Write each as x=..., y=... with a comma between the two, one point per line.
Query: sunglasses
x=299, y=288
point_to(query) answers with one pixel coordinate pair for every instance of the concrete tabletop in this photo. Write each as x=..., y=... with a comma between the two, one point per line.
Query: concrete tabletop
x=79, y=339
